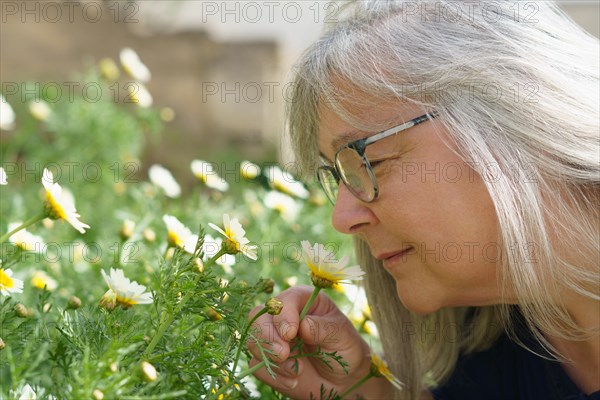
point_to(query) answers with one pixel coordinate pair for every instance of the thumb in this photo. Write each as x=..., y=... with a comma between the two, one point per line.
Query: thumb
x=330, y=331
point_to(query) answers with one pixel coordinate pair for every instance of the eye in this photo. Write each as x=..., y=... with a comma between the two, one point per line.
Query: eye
x=375, y=163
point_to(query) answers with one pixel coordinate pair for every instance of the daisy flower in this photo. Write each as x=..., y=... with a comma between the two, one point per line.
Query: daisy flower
x=211, y=247
x=40, y=110
x=3, y=180
x=60, y=204
x=325, y=270
x=161, y=177
x=25, y=240
x=139, y=95
x=7, y=115
x=125, y=292
x=206, y=172
x=178, y=235
x=286, y=205
x=41, y=280
x=235, y=237
x=249, y=170
x=8, y=284
x=285, y=182
x=109, y=69
x=380, y=369
x=133, y=66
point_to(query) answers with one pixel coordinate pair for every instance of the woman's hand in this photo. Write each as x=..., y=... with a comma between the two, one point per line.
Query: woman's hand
x=324, y=326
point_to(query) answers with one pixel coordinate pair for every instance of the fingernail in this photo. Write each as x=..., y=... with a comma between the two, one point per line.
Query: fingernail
x=276, y=348
x=290, y=383
x=290, y=365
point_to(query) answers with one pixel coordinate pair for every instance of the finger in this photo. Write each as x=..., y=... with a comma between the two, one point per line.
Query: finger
x=281, y=383
x=264, y=334
x=328, y=331
x=294, y=300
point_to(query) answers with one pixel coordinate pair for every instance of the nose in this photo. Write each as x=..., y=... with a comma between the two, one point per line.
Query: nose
x=351, y=215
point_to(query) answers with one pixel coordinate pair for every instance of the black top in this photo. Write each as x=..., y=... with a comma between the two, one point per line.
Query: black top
x=507, y=371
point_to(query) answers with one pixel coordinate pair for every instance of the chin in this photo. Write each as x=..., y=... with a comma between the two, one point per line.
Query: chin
x=419, y=303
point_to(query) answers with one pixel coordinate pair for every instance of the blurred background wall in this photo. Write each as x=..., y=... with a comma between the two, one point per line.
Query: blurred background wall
x=220, y=66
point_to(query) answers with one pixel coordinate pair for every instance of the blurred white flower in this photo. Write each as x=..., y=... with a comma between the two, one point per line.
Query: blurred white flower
x=285, y=182
x=8, y=284
x=149, y=371
x=59, y=203
x=133, y=66
x=7, y=115
x=235, y=237
x=108, y=69
x=26, y=240
x=127, y=292
x=357, y=296
x=27, y=393
x=3, y=180
x=178, y=235
x=39, y=109
x=139, y=95
x=40, y=280
x=206, y=172
x=161, y=177
x=286, y=205
x=249, y=170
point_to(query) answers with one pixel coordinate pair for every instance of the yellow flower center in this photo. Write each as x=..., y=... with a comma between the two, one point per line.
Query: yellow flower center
x=125, y=302
x=174, y=240
x=231, y=245
x=52, y=208
x=6, y=281
x=38, y=281
x=323, y=275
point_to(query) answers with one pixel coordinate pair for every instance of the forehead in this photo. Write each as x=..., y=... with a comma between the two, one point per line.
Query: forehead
x=334, y=131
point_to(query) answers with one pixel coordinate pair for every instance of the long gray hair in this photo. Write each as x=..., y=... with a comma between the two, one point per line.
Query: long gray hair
x=516, y=86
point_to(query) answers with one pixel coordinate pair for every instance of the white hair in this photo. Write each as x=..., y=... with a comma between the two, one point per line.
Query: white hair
x=516, y=86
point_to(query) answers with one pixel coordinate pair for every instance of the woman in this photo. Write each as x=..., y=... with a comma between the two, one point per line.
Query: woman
x=475, y=213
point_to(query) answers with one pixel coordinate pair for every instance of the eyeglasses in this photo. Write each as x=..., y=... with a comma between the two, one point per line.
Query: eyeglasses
x=352, y=167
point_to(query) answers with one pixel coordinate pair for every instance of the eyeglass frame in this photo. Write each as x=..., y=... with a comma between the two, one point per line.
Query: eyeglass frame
x=360, y=147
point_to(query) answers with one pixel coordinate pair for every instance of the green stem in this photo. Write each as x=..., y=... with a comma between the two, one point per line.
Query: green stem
x=242, y=375
x=24, y=225
x=243, y=338
x=311, y=300
x=356, y=385
x=167, y=319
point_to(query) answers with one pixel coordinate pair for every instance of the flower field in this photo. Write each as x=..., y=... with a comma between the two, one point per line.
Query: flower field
x=114, y=285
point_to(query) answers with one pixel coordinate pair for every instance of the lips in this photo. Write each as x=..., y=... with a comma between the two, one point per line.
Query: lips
x=391, y=256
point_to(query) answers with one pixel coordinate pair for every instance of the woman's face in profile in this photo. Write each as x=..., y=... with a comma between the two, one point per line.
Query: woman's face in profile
x=433, y=224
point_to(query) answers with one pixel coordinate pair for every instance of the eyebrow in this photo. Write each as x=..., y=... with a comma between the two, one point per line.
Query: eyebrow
x=346, y=138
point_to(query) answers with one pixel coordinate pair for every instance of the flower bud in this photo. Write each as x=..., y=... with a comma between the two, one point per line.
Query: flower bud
x=212, y=314
x=149, y=235
x=274, y=306
x=148, y=371
x=127, y=229
x=97, y=394
x=22, y=311
x=109, y=69
x=199, y=264
x=268, y=285
x=2, y=345
x=108, y=300
x=74, y=303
